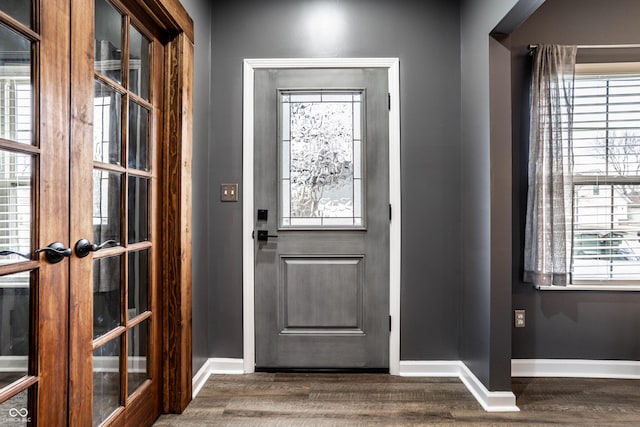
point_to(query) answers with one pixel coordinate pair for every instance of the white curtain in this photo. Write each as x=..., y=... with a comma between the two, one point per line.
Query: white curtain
x=549, y=200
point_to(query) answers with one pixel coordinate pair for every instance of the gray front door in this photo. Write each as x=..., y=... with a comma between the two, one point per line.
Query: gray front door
x=322, y=187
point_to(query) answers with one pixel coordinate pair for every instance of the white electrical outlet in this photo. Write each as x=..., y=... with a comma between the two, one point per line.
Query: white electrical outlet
x=519, y=319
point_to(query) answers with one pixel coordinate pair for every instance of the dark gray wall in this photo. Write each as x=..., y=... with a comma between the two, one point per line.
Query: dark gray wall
x=486, y=287
x=445, y=185
x=200, y=12
x=425, y=36
x=581, y=325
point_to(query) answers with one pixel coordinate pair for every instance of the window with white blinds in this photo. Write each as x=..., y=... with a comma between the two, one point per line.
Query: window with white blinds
x=606, y=178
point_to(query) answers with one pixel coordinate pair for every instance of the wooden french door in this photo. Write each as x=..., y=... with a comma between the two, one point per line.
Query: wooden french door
x=85, y=88
x=34, y=208
x=115, y=351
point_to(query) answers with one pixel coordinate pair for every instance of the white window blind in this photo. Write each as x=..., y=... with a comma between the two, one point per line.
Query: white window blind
x=15, y=168
x=606, y=168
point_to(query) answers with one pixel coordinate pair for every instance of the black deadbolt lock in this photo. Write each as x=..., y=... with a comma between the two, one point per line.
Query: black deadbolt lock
x=263, y=214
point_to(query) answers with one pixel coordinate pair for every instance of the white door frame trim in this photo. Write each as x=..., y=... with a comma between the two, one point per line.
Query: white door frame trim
x=248, y=266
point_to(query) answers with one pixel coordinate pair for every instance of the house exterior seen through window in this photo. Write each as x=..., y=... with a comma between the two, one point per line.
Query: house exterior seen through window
x=606, y=178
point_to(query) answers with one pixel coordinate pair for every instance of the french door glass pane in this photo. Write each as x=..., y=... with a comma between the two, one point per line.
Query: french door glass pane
x=138, y=283
x=16, y=111
x=15, y=205
x=19, y=10
x=138, y=371
x=321, y=159
x=138, y=137
x=138, y=209
x=107, y=192
x=108, y=42
x=107, y=125
x=15, y=411
x=139, y=63
x=106, y=380
x=107, y=285
x=15, y=327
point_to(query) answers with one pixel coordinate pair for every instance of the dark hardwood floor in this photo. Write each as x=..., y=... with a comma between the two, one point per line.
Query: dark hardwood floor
x=280, y=399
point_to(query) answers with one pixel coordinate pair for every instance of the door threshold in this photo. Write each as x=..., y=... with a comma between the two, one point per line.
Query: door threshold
x=323, y=370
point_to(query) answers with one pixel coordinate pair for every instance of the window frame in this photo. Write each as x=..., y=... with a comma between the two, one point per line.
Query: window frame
x=604, y=70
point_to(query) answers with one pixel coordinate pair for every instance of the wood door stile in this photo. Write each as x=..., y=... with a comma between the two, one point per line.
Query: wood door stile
x=81, y=309
x=53, y=195
x=176, y=208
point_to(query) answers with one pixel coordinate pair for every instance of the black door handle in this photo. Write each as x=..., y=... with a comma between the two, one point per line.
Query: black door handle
x=55, y=252
x=83, y=246
x=8, y=252
x=263, y=236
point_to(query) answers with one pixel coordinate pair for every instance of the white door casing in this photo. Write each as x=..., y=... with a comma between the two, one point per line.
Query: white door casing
x=392, y=66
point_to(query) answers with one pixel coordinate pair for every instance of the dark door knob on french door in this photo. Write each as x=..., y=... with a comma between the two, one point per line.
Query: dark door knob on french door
x=55, y=252
x=84, y=246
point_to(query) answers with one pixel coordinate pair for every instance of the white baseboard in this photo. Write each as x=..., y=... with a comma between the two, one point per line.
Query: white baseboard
x=226, y=366
x=435, y=368
x=199, y=379
x=575, y=368
x=14, y=364
x=215, y=366
x=136, y=364
x=491, y=401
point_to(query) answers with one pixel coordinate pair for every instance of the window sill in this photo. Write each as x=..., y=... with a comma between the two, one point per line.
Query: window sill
x=599, y=288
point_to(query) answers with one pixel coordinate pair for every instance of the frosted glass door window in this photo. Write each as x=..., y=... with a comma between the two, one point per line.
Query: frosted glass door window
x=321, y=158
